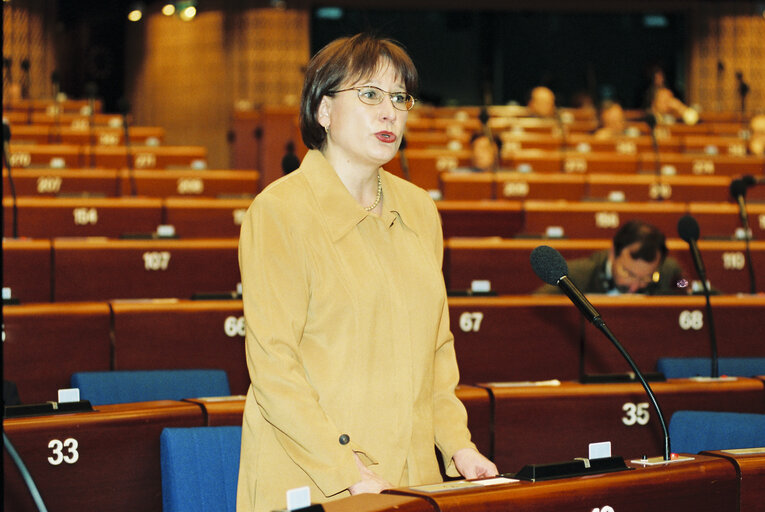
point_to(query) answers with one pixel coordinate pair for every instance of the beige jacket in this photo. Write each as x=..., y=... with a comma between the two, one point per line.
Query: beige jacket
x=347, y=335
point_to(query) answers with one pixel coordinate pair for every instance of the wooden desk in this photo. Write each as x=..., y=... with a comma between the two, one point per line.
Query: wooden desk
x=645, y=187
x=721, y=220
x=426, y=164
x=61, y=182
x=543, y=424
x=43, y=217
x=512, y=185
x=27, y=268
x=102, y=460
x=151, y=335
x=704, y=484
x=538, y=337
x=206, y=217
x=703, y=165
x=205, y=183
x=504, y=263
x=480, y=218
x=46, y=343
x=46, y=155
x=146, y=157
x=98, y=269
x=750, y=466
x=597, y=219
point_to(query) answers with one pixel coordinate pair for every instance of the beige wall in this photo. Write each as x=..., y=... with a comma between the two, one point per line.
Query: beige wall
x=189, y=77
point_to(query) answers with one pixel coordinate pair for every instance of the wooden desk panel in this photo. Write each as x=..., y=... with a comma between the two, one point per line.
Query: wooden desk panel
x=61, y=182
x=206, y=183
x=512, y=185
x=714, y=145
x=109, y=459
x=703, y=165
x=97, y=269
x=27, y=269
x=542, y=424
x=145, y=157
x=678, y=327
x=515, y=338
x=425, y=165
x=29, y=155
x=645, y=187
x=597, y=219
x=480, y=218
x=206, y=217
x=103, y=136
x=721, y=220
x=187, y=334
x=704, y=484
x=46, y=343
x=43, y=217
x=505, y=262
x=750, y=464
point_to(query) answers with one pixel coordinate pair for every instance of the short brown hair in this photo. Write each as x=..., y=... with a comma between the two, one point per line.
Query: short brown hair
x=347, y=59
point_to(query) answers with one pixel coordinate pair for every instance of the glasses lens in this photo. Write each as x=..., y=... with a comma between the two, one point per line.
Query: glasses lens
x=370, y=95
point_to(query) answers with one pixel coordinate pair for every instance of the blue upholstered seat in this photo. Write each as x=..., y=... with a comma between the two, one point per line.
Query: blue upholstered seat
x=684, y=367
x=696, y=431
x=200, y=467
x=116, y=387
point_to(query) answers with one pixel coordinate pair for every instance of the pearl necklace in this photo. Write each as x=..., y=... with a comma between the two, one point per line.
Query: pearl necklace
x=379, y=195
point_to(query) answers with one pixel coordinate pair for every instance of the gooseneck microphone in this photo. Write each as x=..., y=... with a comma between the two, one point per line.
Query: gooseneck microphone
x=404, y=161
x=551, y=268
x=7, y=161
x=738, y=189
x=688, y=230
x=124, y=108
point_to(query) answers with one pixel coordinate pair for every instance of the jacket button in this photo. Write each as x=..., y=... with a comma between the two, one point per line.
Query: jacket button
x=344, y=439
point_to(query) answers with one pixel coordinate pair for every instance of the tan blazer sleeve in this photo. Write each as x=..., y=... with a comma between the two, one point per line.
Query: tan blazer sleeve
x=276, y=295
x=449, y=414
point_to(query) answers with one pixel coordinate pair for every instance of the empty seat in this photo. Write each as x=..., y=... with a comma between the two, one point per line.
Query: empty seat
x=686, y=367
x=116, y=387
x=200, y=468
x=696, y=431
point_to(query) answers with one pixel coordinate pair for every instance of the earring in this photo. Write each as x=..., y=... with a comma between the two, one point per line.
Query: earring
x=326, y=130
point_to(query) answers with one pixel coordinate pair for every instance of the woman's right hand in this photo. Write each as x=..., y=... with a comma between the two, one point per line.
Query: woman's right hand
x=370, y=482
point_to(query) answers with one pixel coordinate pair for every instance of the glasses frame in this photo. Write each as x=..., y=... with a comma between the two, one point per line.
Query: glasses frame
x=410, y=99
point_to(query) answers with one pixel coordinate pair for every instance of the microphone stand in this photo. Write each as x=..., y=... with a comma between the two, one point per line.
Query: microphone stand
x=128, y=151
x=7, y=161
x=741, y=200
x=483, y=116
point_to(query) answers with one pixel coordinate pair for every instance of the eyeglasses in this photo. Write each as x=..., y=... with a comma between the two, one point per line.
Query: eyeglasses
x=372, y=95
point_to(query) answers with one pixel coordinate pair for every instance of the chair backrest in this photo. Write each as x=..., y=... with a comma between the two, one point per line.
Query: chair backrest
x=200, y=468
x=686, y=367
x=696, y=431
x=116, y=387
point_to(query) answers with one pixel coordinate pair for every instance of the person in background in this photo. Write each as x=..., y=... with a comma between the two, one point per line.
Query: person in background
x=667, y=109
x=757, y=135
x=541, y=102
x=637, y=262
x=612, y=121
x=352, y=363
x=485, y=153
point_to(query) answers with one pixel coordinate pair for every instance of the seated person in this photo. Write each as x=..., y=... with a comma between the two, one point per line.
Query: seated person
x=757, y=137
x=541, y=103
x=667, y=109
x=612, y=121
x=485, y=153
x=636, y=263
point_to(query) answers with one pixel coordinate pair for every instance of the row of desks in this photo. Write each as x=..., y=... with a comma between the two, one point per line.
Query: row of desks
x=147, y=183
x=74, y=156
x=109, y=459
x=80, y=269
x=86, y=136
x=511, y=338
x=45, y=217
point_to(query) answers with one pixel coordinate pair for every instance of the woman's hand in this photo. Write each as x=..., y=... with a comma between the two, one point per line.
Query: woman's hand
x=370, y=482
x=472, y=464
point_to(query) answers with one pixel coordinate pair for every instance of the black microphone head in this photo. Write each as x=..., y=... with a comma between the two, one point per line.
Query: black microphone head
x=402, y=146
x=483, y=116
x=688, y=228
x=748, y=180
x=650, y=119
x=737, y=188
x=6, y=131
x=548, y=264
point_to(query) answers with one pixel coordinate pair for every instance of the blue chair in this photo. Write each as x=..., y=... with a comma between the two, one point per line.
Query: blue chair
x=117, y=387
x=697, y=431
x=200, y=468
x=686, y=367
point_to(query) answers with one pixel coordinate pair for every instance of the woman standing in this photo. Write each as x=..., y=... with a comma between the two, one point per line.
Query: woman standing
x=348, y=345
